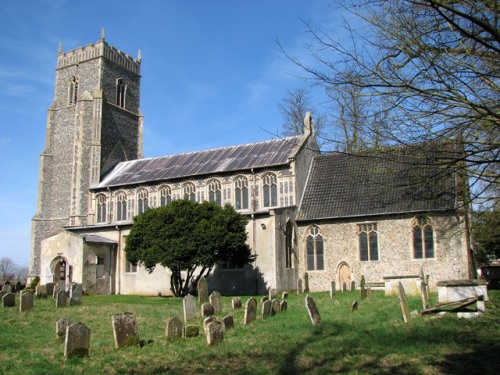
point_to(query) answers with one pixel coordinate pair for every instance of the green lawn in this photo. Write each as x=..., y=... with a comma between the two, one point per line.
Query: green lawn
x=372, y=339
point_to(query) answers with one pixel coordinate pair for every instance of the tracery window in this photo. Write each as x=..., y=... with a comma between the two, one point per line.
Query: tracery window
x=142, y=201
x=101, y=208
x=423, y=238
x=368, y=242
x=73, y=90
x=190, y=192
x=270, y=190
x=241, y=193
x=121, y=92
x=214, y=192
x=165, y=196
x=121, y=206
x=315, y=250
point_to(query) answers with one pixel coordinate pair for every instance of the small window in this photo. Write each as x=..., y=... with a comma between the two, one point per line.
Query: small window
x=130, y=267
x=315, y=250
x=241, y=193
x=270, y=190
x=165, y=196
x=368, y=242
x=121, y=207
x=73, y=90
x=142, y=201
x=101, y=208
x=423, y=238
x=190, y=192
x=214, y=192
x=121, y=92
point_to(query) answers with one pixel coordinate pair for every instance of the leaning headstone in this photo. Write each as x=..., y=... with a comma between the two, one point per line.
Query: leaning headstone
x=216, y=302
x=207, y=309
x=189, y=307
x=41, y=291
x=362, y=287
x=215, y=333
x=306, y=283
x=228, y=322
x=191, y=330
x=75, y=294
x=275, y=307
x=173, y=328
x=61, y=299
x=312, y=310
x=332, y=289
x=283, y=306
x=272, y=294
x=236, y=303
x=299, y=286
x=423, y=289
x=25, y=301
x=404, y=303
x=77, y=342
x=284, y=295
x=250, y=311
x=7, y=288
x=125, y=330
x=61, y=326
x=9, y=300
x=202, y=291
x=50, y=288
x=266, y=309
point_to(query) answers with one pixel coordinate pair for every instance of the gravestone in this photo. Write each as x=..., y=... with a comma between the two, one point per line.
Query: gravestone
x=18, y=286
x=332, y=289
x=353, y=286
x=173, y=328
x=368, y=292
x=75, y=294
x=228, y=322
x=50, y=288
x=191, y=330
x=61, y=326
x=2, y=294
x=216, y=302
x=61, y=299
x=275, y=307
x=236, y=303
x=362, y=287
x=404, y=303
x=189, y=307
x=264, y=299
x=41, y=291
x=7, y=288
x=202, y=291
x=284, y=295
x=283, y=306
x=266, y=309
x=9, y=300
x=207, y=321
x=125, y=330
x=25, y=301
x=423, y=289
x=250, y=311
x=344, y=287
x=306, y=283
x=215, y=333
x=312, y=310
x=207, y=309
x=77, y=342
x=272, y=294
x=299, y=286
x=60, y=285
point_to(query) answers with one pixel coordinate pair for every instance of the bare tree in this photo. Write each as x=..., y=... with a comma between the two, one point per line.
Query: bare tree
x=7, y=269
x=21, y=273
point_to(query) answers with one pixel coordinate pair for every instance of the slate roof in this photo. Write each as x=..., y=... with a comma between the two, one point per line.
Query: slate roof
x=344, y=185
x=226, y=159
x=92, y=238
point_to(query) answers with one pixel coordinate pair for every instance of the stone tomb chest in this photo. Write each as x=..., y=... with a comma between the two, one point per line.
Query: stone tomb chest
x=456, y=290
x=410, y=283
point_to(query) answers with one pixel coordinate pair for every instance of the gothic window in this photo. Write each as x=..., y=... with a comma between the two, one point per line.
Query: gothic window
x=73, y=90
x=270, y=190
x=101, y=208
x=423, y=238
x=315, y=251
x=241, y=193
x=214, y=192
x=142, y=201
x=368, y=242
x=190, y=192
x=121, y=92
x=121, y=207
x=165, y=196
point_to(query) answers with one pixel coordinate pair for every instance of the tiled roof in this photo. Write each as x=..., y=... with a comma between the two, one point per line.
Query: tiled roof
x=226, y=159
x=344, y=185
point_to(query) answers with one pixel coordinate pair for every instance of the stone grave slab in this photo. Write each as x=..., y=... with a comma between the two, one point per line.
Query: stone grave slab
x=202, y=291
x=215, y=333
x=173, y=328
x=312, y=309
x=77, y=341
x=250, y=311
x=266, y=309
x=189, y=308
x=125, y=330
x=61, y=326
x=207, y=309
x=25, y=301
x=215, y=300
x=75, y=294
x=228, y=322
x=9, y=300
x=236, y=303
x=61, y=299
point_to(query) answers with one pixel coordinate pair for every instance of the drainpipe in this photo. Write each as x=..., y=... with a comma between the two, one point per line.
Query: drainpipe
x=118, y=259
x=254, y=227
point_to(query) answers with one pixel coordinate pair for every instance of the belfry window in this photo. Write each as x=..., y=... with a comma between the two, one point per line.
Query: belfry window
x=101, y=208
x=73, y=90
x=190, y=192
x=142, y=201
x=214, y=192
x=121, y=92
x=315, y=252
x=165, y=196
x=241, y=193
x=368, y=242
x=423, y=238
x=270, y=190
x=121, y=207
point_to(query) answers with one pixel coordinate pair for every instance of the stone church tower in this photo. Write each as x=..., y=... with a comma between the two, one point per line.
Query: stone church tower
x=93, y=123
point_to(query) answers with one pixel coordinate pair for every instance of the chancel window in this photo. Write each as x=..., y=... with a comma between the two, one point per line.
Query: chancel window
x=423, y=238
x=241, y=193
x=121, y=207
x=101, y=208
x=270, y=190
x=165, y=196
x=368, y=242
x=190, y=192
x=121, y=92
x=214, y=192
x=73, y=90
x=142, y=201
x=315, y=250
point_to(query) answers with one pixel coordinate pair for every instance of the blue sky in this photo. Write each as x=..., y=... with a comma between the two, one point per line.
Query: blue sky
x=211, y=76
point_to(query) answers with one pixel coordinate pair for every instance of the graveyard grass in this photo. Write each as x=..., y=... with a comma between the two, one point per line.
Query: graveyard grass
x=371, y=340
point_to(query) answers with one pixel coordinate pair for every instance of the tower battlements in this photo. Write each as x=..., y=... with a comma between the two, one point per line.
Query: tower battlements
x=99, y=49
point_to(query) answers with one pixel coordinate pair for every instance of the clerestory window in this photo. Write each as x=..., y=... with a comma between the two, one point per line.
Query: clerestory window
x=270, y=190
x=190, y=192
x=214, y=192
x=142, y=201
x=241, y=193
x=165, y=196
x=101, y=208
x=121, y=206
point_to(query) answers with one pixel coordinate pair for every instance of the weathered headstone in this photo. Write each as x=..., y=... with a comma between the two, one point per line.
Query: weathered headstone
x=189, y=307
x=368, y=292
x=283, y=306
x=61, y=326
x=173, y=328
x=202, y=291
x=306, y=283
x=362, y=287
x=61, y=299
x=125, y=330
x=75, y=294
x=284, y=295
x=207, y=321
x=312, y=310
x=236, y=303
x=215, y=333
x=77, y=342
x=25, y=301
x=216, y=302
x=266, y=309
x=250, y=311
x=207, y=309
x=332, y=289
x=404, y=303
x=353, y=286
x=41, y=291
x=344, y=287
x=191, y=330
x=423, y=289
x=264, y=299
x=228, y=322
x=9, y=300
x=275, y=307
x=7, y=288
x=50, y=288
x=60, y=285
x=272, y=294
x=299, y=286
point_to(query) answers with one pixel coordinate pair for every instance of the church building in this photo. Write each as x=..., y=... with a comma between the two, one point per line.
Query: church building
x=336, y=216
